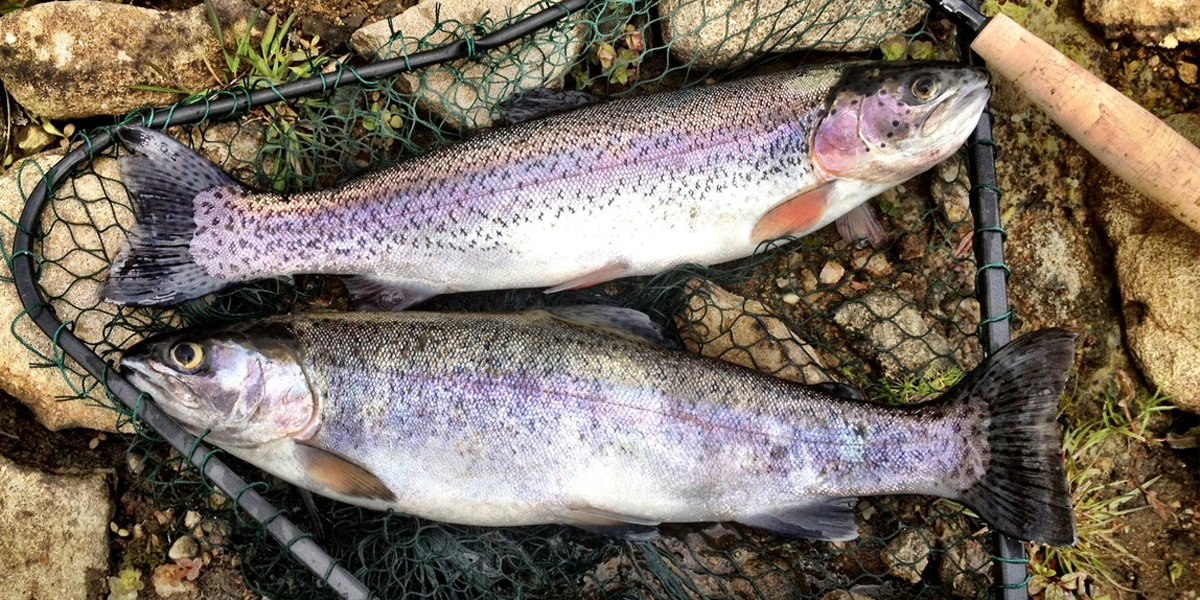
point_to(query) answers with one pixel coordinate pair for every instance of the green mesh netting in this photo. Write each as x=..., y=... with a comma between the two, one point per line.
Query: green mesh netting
x=898, y=321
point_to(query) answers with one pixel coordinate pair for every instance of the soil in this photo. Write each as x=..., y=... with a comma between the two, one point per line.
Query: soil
x=1154, y=550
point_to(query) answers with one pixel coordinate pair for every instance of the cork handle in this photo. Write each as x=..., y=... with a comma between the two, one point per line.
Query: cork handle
x=1134, y=144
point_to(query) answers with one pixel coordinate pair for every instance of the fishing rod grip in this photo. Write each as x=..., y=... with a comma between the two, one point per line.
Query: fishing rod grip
x=1137, y=146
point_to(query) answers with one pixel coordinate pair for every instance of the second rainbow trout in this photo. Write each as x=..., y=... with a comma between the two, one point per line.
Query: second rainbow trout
x=629, y=187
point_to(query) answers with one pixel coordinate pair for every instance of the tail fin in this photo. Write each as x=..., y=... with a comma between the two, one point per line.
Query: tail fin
x=1024, y=491
x=155, y=265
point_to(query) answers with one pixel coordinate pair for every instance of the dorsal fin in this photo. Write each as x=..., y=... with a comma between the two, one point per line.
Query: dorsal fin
x=543, y=102
x=625, y=322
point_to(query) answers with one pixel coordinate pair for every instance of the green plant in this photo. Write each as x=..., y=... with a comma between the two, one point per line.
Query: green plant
x=919, y=387
x=1099, y=505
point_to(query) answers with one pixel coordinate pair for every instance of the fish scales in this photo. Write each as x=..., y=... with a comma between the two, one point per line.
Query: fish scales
x=582, y=414
x=522, y=193
x=540, y=417
x=632, y=186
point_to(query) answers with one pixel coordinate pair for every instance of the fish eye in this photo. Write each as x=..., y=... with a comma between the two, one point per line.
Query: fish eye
x=924, y=87
x=187, y=356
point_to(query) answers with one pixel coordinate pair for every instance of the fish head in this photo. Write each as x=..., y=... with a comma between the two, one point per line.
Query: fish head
x=886, y=123
x=244, y=388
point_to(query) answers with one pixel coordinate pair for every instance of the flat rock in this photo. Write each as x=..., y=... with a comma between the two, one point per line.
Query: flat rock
x=67, y=60
x=1162, y=22
x=729, y=33
x=53, y=533
x=719, y=324
x=1158, y=274
x=70, y=273
x=466, y=92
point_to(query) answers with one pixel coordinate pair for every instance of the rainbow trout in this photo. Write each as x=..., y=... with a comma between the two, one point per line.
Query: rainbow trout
x=628, y=187
x=584, y=416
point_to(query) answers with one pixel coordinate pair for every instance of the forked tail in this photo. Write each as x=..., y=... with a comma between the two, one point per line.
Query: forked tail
x=1023, y=491
x=155, y=265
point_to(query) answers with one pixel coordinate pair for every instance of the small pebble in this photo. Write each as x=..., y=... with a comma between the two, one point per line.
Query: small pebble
x=1187, y=72
x=791, y=298
x=184, y=547
x=832, y=273
x=136, y=462
x=191, y=519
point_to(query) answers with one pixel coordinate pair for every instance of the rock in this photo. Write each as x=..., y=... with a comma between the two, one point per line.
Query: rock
x=68, y=60
x=966, y=569
x=726, y=34
x=1158, y=274
x=831, y=273
x=722, y=325
x=21, y=372
x=896, y=334
x=1188, y=72
x=907, y=555
x=844, y=595
x=466, y=92
x=951, y=190
x=184, y=547
x=1163, y=22
x=53, y=533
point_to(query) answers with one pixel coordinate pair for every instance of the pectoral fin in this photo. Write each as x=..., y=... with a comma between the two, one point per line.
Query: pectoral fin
x=341, y=475
x=796, y=214
x=611, y=524
x=608, y=272
x=860, y=226
x=830, y=519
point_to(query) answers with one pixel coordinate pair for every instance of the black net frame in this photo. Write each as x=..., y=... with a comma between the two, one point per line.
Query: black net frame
x=1011, y=560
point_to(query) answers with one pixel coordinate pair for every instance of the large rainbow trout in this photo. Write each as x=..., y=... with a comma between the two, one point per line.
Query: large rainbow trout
x=628, y=187
x=582, y=416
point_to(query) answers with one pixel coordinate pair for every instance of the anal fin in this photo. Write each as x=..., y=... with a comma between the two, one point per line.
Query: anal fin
x=341, y=475
x=611, y=524
x=830, y=519
x=794, y=215
x=608, y=272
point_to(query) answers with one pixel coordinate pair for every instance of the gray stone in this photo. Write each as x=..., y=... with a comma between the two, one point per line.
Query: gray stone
x=722, y=325
x=184, y=547
x=466, y=92
x=896, y=333
x=729, y=33
x=67, y=60
x=42, y=389
x=1158, y=274
x=53, y=533
x=1163, y=22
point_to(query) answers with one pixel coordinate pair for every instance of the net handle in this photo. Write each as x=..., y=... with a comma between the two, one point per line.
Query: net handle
x=295, y=540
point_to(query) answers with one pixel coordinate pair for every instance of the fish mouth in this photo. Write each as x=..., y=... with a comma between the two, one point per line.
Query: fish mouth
x=145, y=378
x=961, y=111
